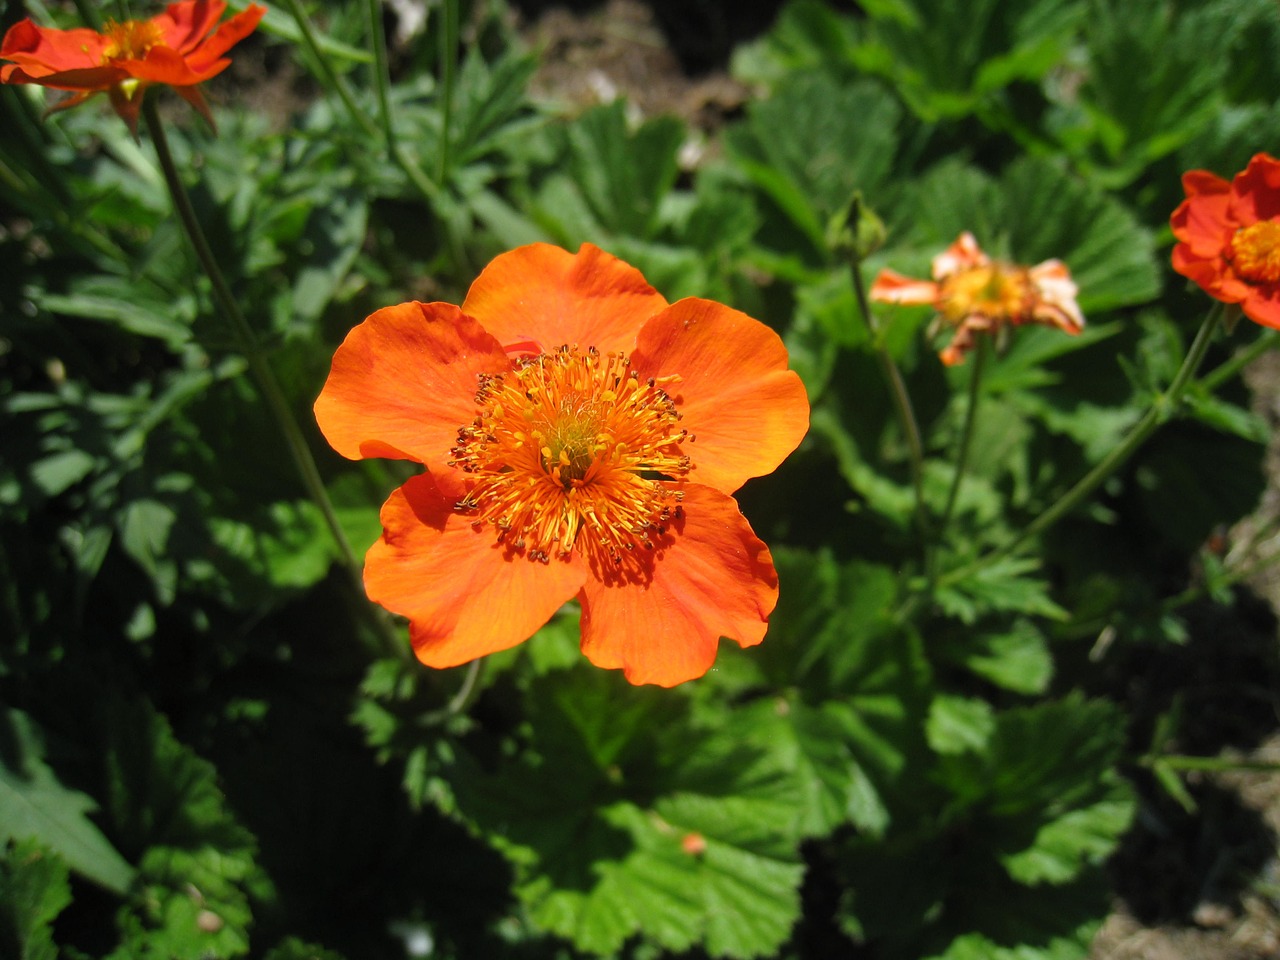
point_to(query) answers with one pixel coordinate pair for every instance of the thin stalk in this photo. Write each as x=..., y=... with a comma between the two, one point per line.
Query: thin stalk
x=460, y=700
x=89, y=14
x=1161, y=409
x=448, y=63
x=262, y=373
x=331, y=77
x=901, y=400
x=1229, y=368
x=1210, y=764
x=382, y=80
x=966, y=435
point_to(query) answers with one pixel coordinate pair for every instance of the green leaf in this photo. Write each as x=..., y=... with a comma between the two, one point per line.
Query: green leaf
x=33, y=891
x=815, y=142
x=957, y=724
x=34, y=804
x=622, y=819
x=1018, y=660
x=196, y=862
x=999, y=586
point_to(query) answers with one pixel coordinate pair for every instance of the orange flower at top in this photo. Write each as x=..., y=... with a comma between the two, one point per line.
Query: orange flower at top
x=1229, y=237
x=582, y=437
x=175, y=48
x=974, y=294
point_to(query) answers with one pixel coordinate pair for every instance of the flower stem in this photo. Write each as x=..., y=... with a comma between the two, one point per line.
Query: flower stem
x=331, y=78
x=268, y=385
x=448, y=61
x=1160, y=411
x=1229, y=368
x=901, y=400
x=966, y=434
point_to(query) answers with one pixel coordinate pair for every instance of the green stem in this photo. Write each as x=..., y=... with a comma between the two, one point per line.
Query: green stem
x=254, y=355
x=900, y=397
x=89, y=14
x=966, y=435
x=448, y=61
x=1210, y=764
x=460, y=700
x=382, y=80
x=1229, y=368
x=1161, y=410
x=332, y=79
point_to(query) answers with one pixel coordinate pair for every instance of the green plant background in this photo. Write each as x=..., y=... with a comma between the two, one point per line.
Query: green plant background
x=208, y=750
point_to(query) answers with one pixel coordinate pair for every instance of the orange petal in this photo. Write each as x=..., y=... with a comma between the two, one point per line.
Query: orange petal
x=127, y=105
x=88, y=80
x=712, y=578
x=183, y=25
x=226, y=36
x=891, y=287
x=1255, y=191
x=963, y=254
x=1204, y=222
x=43, y=51
x=464, y=594
x=194, y=97
x=745, y=409
x=551, y=297
x=404, y=381
x=165, y=65
x=1261, y=304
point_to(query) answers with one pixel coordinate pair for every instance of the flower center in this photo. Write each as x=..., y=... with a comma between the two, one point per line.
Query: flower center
x=130, y=40
x=993, y=291
x=1254, y=252
x=570, y=451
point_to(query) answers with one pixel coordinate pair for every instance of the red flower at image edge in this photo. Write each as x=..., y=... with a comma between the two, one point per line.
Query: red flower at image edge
x=1229, y=237
x=175, y=48
x=974, y=294
x=582, y=438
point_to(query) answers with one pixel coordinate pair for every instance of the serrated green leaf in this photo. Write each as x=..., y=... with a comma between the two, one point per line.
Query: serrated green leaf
x=196, y=862
x=34, y=804
x=33, y=891
x=1017, y=660
x=957, y=724
x=1061, y=847
x=815, y=142
x=999, y=586
x=629, y=821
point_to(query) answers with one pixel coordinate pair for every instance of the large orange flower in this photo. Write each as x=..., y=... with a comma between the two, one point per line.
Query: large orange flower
x=974, y=294
x=1229, y=237
x=175, y=48
x=582, y=437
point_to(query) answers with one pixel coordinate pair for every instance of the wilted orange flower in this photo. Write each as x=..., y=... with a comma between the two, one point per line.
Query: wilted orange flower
x=1229, y=237
x=174, y=48
x=974, y=294
x=582, y=437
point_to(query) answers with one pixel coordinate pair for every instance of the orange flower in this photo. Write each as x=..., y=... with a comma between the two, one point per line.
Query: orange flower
x=974, y=294
x=175, y=48
x=582, y=437
x=1229, y=237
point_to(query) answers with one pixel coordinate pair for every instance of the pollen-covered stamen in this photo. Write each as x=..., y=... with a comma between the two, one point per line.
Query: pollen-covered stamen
x=996, y=291
x=573, y=450
x=130, y=40
x=1254, y=252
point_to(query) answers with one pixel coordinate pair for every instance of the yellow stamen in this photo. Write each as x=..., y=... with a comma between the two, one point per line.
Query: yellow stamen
x=130, y=40
x=996, y=291
x=1254, y=252
x=573, y=451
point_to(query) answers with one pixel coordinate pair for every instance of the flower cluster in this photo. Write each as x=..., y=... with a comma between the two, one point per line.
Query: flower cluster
x=974, y=294
x=176, y=48
x=582, y=438
x=1229, y=237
